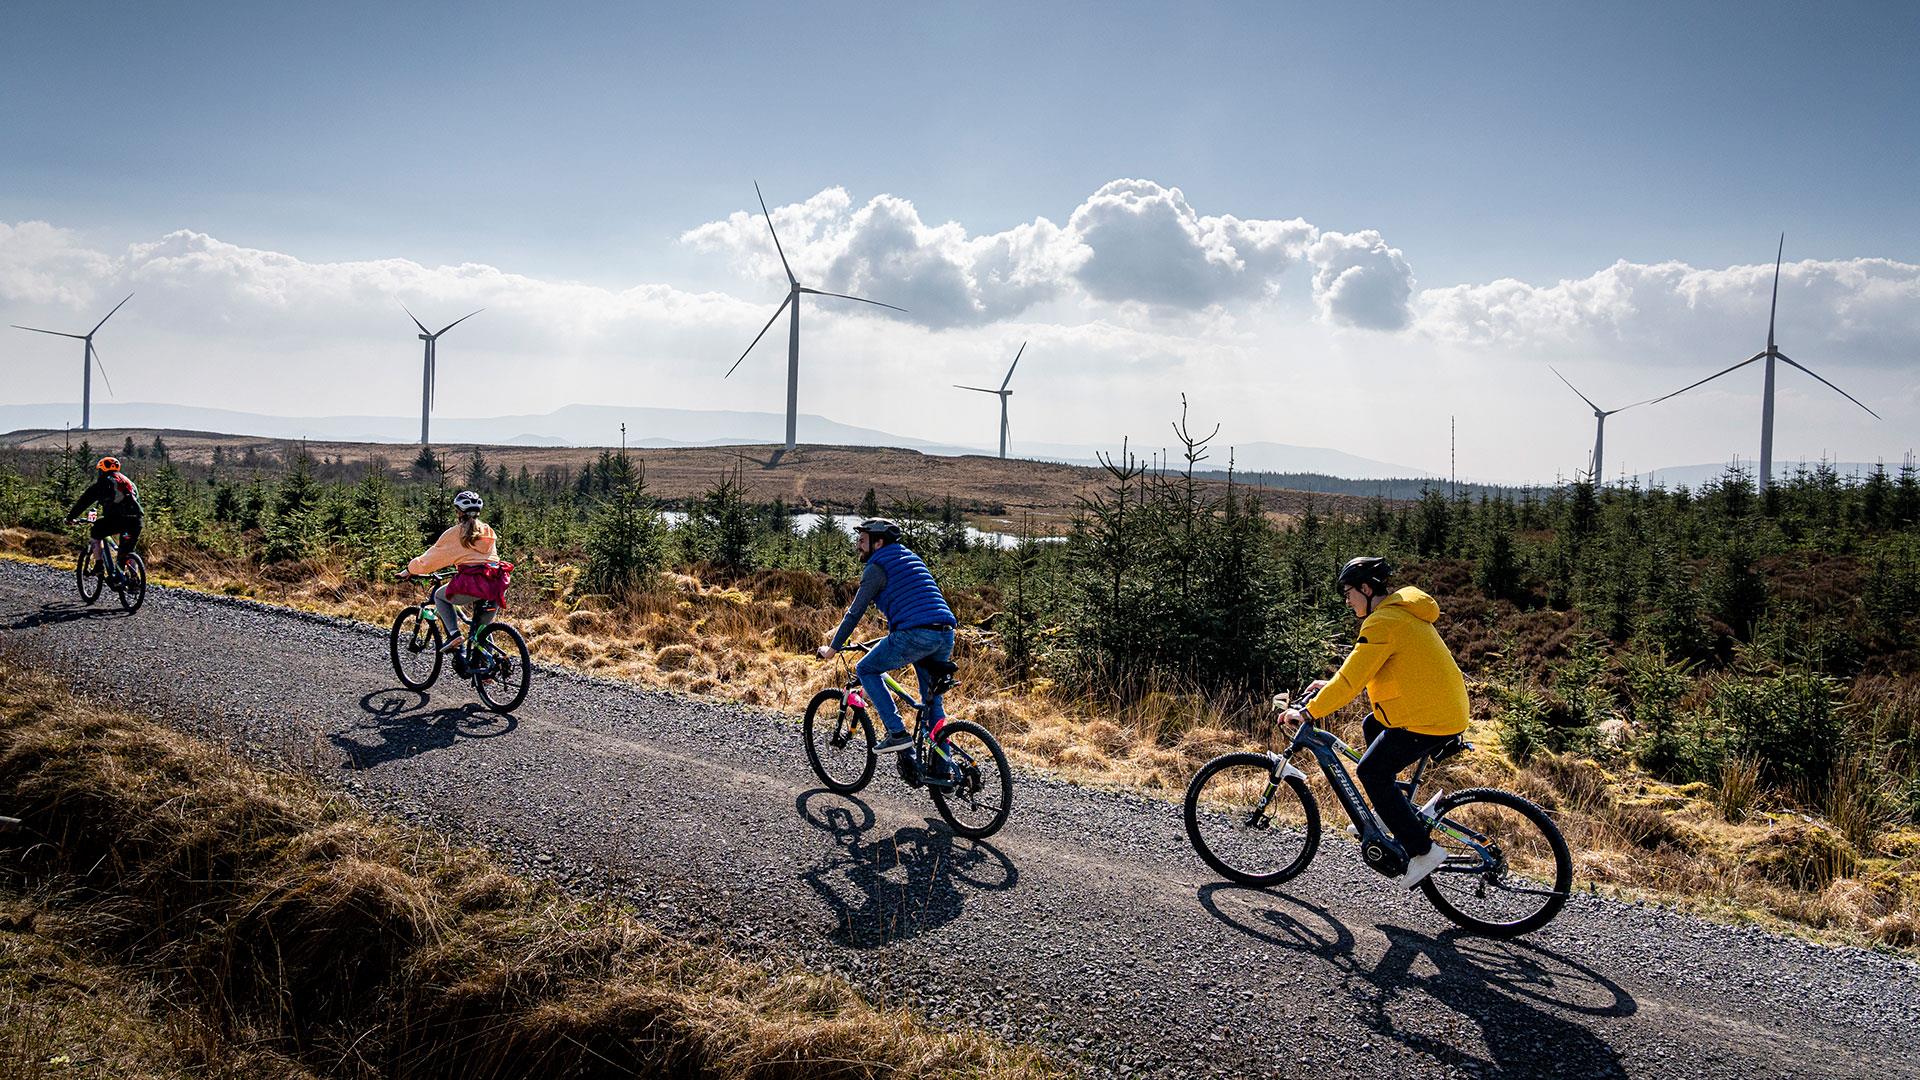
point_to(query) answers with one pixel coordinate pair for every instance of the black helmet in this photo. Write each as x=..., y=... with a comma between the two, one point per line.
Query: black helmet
x=880, y=528
x=1365, y=570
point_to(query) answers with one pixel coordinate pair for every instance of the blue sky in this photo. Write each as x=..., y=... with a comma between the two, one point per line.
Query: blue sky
x=581, y=143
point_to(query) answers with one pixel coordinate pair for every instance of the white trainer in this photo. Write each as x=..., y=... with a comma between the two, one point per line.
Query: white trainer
x=1420, y=866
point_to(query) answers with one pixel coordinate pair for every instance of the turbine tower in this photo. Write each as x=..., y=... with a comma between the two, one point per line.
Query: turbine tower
x=89, y=357
x=426, y=376
x=794, y=291
x=1771, y=354
x=1599, y=424
x=1003, y=393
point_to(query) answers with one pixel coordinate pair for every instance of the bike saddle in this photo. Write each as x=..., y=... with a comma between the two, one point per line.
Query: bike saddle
x=1449, y=748
x=943, y=674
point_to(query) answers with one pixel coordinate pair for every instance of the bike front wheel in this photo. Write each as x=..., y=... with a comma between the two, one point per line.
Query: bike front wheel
x=839, y=741
x=414, y=643
x=88, y=575
x=982, y=793
x=133, y=582
x=1508, y=870
x=507, y=670
x=1251, y=824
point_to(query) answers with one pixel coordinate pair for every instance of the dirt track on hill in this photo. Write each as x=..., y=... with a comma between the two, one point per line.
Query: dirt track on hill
x=1086, y=926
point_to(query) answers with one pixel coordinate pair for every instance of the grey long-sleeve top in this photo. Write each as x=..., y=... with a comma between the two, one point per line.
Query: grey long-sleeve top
x=872, y=580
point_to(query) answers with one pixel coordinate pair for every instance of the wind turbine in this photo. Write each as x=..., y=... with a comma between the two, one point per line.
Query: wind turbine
x=1599, y=422
x=90, y=356
x=1771, y=354
x=426, y=377
x=1004, y=394
x=794, y=290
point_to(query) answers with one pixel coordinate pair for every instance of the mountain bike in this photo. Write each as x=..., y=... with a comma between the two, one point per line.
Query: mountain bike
x=1252, y=818
x=93, y=572
x=495, y=661
x=976, y=795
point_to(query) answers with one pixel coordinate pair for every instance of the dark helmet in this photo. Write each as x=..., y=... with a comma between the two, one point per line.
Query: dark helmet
x=1366, y=570
x=880, y=529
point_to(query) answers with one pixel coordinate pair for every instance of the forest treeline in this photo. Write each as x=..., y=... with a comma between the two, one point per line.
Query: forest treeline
x=1759, y=643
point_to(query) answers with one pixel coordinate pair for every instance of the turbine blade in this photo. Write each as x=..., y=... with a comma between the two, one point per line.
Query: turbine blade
x=55, y=333
x=1015, y=364
x=1835, y=389
x=761, y=334
x=415, y=318
x=1710, y=378
x=101, y=364
x=1573, y=388
x=1776, y=289
x=791, y=280
x=459, y=320
x=844, y=296
x=103, y=322
x=982, y=389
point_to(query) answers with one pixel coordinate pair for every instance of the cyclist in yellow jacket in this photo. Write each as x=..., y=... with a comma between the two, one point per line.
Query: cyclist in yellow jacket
x=1417, y=695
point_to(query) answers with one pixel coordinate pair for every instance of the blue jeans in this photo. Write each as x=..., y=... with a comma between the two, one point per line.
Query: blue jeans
x=903, y=647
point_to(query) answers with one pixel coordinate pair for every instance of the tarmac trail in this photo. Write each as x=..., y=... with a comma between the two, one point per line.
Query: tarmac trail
x=1087, y=926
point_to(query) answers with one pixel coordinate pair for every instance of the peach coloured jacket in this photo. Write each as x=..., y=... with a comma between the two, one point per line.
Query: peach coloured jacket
x=449, y=551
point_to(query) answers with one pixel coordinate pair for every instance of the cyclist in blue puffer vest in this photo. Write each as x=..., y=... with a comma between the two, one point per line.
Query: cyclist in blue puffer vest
x=919, y=626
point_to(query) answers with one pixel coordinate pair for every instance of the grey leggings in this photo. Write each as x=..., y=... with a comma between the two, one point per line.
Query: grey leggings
x=445, y=606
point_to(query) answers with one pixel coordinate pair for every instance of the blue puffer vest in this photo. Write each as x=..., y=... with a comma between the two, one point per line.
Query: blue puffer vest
x=911, y=599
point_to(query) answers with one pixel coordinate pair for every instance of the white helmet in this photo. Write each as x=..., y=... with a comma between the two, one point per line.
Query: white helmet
x=467, y=502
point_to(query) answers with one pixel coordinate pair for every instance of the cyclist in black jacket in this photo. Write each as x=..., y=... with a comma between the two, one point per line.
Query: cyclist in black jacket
x=120, y=513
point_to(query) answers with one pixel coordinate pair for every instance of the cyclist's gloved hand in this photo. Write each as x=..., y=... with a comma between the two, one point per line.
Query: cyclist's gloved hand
x=825, y=652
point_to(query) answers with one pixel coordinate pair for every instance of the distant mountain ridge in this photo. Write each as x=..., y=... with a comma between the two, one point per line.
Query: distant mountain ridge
x=599, y=425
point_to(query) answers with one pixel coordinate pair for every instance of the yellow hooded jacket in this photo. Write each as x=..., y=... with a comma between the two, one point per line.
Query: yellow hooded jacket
x=1407, y=671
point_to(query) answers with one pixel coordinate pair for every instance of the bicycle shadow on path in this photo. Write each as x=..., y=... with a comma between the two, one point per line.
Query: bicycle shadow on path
x=882, y=889
x=1533, y=1006
x=53, y=613
x=398, y=725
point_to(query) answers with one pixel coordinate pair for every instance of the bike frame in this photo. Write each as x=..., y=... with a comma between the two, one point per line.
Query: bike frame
x=922, y=738
x=430, y=613
x=1327, y=749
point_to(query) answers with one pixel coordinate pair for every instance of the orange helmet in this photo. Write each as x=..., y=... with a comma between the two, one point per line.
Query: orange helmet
x=109, y=464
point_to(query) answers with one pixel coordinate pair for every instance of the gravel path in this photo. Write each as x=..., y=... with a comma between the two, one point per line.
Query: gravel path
x=1086, y=926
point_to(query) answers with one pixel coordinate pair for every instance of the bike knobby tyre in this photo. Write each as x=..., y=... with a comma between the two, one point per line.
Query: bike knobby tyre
x=133, y=582
x=1243, y=838
x=839, y=741
x=87, y=574
x=414, y=644
x=503, y=686
x=981, y=796
x=1526, y=885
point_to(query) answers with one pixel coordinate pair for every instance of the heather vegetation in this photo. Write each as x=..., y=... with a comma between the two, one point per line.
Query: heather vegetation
x=1715, y=689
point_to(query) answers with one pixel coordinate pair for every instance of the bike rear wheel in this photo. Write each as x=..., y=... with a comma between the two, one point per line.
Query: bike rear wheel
x=1508, y=870
x=1251, y=825
x=414, y=643
x=982, y=794
x=133, y=582
x=839, y=741
x=87, y=574
x=503, y=682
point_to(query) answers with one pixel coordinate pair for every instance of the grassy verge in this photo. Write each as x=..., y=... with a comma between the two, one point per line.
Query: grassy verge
x=743, y=638
x=167, y=910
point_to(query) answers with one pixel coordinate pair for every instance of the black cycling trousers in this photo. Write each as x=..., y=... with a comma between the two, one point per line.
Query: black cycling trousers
x=1389, y=752
x=117, y=527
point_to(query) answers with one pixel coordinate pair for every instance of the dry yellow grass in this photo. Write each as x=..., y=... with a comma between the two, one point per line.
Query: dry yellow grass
x=266, y=906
